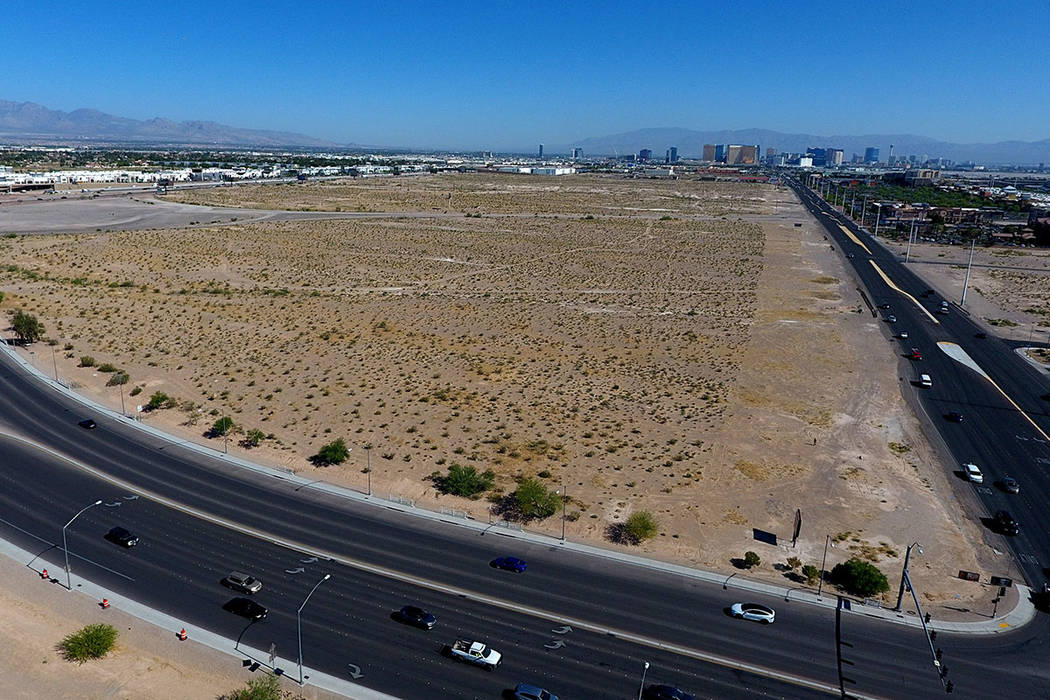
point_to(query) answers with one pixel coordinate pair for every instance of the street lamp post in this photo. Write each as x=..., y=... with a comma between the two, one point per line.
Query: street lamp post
x=368, y=466
x=642, y=684
x=54, y=362
x=827, y=541
x=564, y=493
x=65, y=549
x=299, y=625
x=904, y=574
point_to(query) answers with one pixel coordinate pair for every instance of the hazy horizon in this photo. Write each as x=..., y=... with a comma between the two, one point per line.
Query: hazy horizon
x=469, y=77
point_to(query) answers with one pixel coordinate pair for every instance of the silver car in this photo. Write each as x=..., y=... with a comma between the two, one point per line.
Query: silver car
x=753, y=611
x=242, y=582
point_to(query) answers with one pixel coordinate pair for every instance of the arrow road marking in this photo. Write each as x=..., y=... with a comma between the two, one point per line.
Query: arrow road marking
x=554, y=644
x=298, y=570
x=354, y=671
x=132, y=497
x=562, y=630
x=311, y=560
x=112, y=505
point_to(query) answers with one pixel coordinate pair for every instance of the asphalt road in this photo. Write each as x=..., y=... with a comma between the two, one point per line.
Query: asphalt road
x=181, y=559
x=994, y=433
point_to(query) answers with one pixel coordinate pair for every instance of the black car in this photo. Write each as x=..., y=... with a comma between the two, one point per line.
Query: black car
x=245, y=607
x=1005, y=523
x=415, y=616
x=954, y=416
x=884, y=306
x=665, y=692
x=1010, y=485
x=119, y=535
x=87, y=424
x=982, y=335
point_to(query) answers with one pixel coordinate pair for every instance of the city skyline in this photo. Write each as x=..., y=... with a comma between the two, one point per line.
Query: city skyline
x=429, y=76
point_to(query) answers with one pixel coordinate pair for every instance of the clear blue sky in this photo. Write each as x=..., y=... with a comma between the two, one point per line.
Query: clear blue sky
x=505, y=75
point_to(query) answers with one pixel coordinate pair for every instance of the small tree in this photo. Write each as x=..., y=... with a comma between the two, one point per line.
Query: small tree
x=223, y=426
x=335, y=452
x=751, y=559
x=534, y=500
x=640, y=526
x=91, y=642
x=464, y=481
x=26, y=327
x=860, y=578
x=119, y=377
x=793, y=562
x=160, y=400
x=253, y=437
x=810, y=572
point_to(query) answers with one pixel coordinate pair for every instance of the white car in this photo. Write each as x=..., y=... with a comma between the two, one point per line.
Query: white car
x=973, y=473
x=753, y=611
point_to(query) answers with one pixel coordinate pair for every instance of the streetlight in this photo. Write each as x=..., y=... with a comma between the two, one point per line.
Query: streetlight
x=904, y=574
x=299, y=624
x=65, y=549
x=564, y=497
x=827, y=541
x=642, y=684
x=368, y=465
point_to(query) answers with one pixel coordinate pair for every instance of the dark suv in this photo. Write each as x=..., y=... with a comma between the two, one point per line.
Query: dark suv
x=1005, y=523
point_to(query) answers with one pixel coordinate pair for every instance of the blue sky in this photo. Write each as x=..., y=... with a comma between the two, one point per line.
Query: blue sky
x=506, y=75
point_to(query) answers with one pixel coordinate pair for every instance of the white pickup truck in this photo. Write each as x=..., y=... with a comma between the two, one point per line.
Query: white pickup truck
x=476, y=653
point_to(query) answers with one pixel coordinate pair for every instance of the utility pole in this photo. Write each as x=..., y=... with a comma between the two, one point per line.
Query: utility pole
x=966, y=281
x=904, y=575
x=820, y=586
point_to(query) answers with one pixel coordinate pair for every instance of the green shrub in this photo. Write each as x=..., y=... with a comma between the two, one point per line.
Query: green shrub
x=135, y=391
x=811, y=572
x=751, y=559
x=860, y=578
x=223, y=426
x=119, y=378
x=463, y=481
x=107, y=367
x=534, y=500
x=793, y=562
x=253, y=437
x=640, y=526
x=162, y=400
x=91, y=642
x=335, y=452
x=87, y=361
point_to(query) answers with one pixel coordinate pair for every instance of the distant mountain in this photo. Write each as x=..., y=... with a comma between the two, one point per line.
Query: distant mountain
x=690, y=145
x=27, y=122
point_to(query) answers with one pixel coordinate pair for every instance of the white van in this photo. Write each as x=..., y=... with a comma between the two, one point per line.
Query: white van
x=924, y=380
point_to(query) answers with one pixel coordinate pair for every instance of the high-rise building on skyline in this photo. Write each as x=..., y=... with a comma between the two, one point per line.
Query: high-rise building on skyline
x=577, y=153
x=541, y=151
x=871, y=154
x=741, y=155
x=709, y=153
x=720, y=153
x=833, y=156
x=673, y=152
x=645, y=155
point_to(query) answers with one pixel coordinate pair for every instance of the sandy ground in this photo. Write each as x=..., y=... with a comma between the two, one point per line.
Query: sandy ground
x=148, y=663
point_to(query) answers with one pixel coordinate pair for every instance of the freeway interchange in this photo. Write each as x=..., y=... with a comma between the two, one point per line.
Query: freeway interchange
x=579, y=625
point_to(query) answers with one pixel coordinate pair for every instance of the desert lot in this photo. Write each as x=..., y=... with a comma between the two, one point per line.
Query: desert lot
x=679, y=347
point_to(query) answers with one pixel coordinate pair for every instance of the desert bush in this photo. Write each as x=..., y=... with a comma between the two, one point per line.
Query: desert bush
x=223, y=426
x=793, y=562
x=751, y=559
x=87, y=361
x=119, y=377
x=335, y=452
x=135, y=391
x=253, y=437
x=90, y=642
x=860, y=578
x=162, y=400
x=811, y=572
x=463, y=481
x=26, y=327
x=534, y=500
x=107, y=367
x=640, y=526
x=265, y=687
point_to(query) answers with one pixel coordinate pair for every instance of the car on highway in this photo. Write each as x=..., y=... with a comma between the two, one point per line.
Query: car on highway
x=88, y=424
x=973, y=473
x=915, y=354
x=903, y=335
x=954, y=417
x=849, y=255
x=524, y=691
x=884, y=306
x=665, y=692
x=891, y=319
x=242, y=582
x=245, y=607
x=753, y=611
x=1005, y=523
x=509, y=564
x=1010, y=485
x=123, y=537
x=415, y=616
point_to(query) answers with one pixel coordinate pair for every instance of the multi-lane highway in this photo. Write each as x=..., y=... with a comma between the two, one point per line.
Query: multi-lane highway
x=1005, y=422
x=371, y=553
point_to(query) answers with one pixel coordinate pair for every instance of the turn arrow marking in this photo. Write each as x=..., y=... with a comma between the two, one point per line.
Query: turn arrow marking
x=354, y=670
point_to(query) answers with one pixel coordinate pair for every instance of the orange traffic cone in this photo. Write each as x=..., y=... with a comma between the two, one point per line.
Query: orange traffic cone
x=104, y=603
x=43, y=575
x=182, y=635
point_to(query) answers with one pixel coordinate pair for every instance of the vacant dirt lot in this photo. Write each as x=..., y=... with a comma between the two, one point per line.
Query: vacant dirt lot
x=673, y=346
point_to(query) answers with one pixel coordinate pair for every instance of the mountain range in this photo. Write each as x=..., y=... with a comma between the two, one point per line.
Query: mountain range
x=690, y=145
x=28, y=122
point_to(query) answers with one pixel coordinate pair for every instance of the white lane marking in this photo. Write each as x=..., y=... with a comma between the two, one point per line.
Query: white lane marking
x=71, y=554
x=442, y=588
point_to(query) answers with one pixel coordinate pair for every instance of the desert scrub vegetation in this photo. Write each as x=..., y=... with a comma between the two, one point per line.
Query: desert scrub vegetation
x=637, y=528
x=264, y=687
x=335, y=452
x=463, y=481
x=859, y=578
x=87, y=643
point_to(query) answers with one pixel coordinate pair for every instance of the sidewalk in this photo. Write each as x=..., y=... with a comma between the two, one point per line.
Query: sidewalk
x=1021, y=612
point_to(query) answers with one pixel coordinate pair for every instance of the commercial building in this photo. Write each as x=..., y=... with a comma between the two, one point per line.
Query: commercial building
x=645, y=155
x=833, y=156
x=673, y=154
x=741, y=155
x=871, y=155
x=577, y=153
x=709, y=153
x=540, y=155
